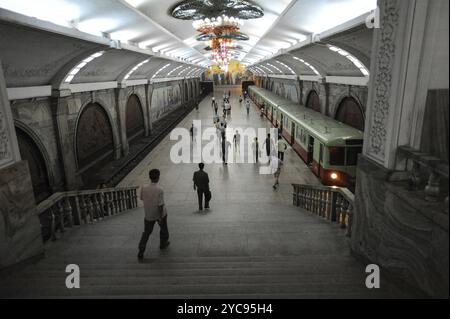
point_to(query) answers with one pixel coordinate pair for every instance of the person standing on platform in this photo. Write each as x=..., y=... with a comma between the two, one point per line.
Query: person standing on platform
x=237, y=141
x=216, y=119
x=155, y=211
x=201, y=185
x=276, y=165
x=216, y=107
x=228, y=108
x=191, y=131
x=247, y=106
x=225, y=146
x=256, y=149
x=268, y=144
x=282, y=147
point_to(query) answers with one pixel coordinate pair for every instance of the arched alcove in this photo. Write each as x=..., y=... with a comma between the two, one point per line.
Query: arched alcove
x=30, y=152
x=349, y=112
x=313, y=101
x=134, y=118
x=186, y=92
x=94, y=135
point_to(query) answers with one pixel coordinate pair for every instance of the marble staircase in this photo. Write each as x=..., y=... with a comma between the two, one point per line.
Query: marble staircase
x=310, y=264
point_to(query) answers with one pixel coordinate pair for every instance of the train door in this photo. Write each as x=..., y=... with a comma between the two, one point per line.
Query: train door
x=281, y=122
x=310, y=150
x=292, y=132
x=320, y=160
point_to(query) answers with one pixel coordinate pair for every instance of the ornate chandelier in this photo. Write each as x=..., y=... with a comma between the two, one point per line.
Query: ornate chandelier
x=218, y=22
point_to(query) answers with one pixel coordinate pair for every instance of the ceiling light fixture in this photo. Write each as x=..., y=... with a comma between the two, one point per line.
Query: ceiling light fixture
x=218, y=22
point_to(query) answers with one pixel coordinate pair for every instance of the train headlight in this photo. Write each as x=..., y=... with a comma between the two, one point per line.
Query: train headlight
x=334, y=176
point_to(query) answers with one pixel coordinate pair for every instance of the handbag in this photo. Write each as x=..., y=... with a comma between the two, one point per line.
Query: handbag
x=208, y=195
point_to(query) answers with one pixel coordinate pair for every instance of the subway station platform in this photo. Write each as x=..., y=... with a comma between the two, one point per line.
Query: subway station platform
x=252, y=243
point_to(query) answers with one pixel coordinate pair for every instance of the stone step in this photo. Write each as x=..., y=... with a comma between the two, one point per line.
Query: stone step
x=126, y=260
x=110, y=273
x=307, y=289
x=201, y=264
x=238, y=278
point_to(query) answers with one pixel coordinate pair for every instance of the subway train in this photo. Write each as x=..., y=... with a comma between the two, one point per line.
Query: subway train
x=330, y=148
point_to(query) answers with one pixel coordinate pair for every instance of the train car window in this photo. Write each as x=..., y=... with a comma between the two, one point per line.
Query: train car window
x=352, y=155
x=337, y=156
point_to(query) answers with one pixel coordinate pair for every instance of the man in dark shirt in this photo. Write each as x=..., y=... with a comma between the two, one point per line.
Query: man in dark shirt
x=201, y=184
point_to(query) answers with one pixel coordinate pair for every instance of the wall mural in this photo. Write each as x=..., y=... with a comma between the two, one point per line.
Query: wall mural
x=165, y=100
x=286, y=90
x=134, y=117
x=234, y=74
x=349, y=112
x=94, y=134
x=313, y=101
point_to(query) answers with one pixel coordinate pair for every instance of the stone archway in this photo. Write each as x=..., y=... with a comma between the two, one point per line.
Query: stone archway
x=134, y=118
x=313, y=101
x=350, y=112
x=30, y=152
x=94, y=135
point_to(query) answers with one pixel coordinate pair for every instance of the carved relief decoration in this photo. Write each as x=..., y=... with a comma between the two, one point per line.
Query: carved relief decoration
x=383, y=77
x=13, y=218
x=5, y=147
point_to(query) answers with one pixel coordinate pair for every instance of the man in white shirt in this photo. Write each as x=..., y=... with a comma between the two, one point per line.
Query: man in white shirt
x=155, y=211
x=282, y=147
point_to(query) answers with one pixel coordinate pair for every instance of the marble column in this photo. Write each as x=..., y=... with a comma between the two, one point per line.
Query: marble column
x=393, y=227
x=20, y=231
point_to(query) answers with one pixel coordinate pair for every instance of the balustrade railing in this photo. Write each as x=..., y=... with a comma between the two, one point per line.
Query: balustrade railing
x=427, y=173
x=64, y=210
x=332, y=203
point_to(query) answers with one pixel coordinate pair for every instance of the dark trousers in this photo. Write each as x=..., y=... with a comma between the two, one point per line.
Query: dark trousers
x=201, y=193
x=281, y=155
x=163, y=234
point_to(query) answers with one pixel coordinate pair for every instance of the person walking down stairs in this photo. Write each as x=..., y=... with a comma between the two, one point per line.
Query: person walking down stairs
x=155, y=211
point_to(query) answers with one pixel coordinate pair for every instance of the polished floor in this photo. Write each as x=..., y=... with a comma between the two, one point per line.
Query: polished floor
x=252, y=243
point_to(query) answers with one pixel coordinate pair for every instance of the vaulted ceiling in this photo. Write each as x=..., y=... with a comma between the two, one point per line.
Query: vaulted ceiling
x=148, y=24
